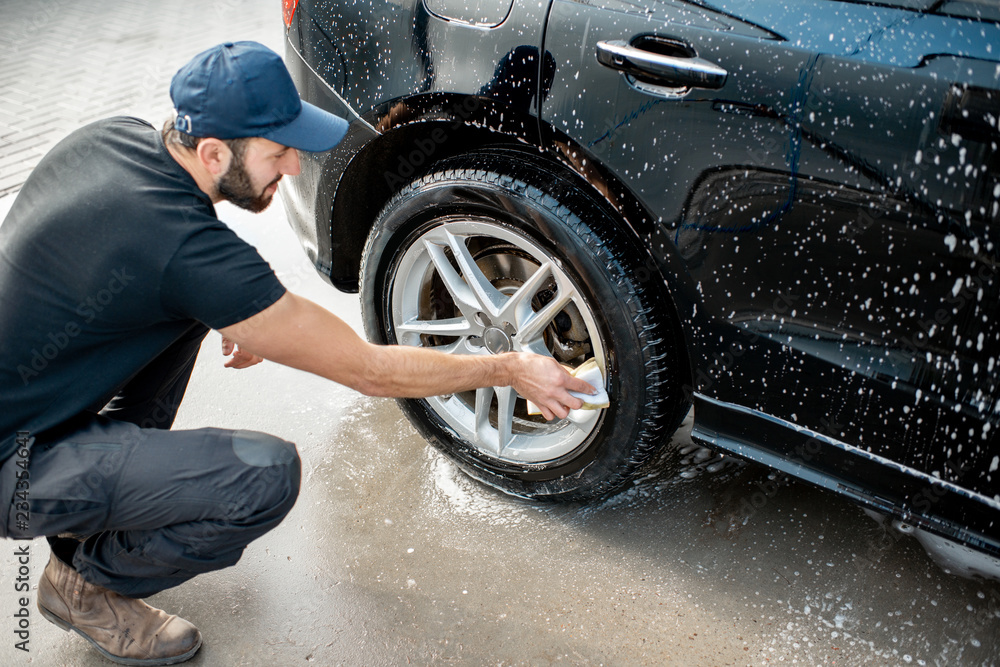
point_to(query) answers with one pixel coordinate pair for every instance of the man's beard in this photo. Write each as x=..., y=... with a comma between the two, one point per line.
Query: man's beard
x=235, y=187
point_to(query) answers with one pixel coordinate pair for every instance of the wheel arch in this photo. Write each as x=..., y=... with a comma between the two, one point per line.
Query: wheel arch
x=412, y=134
x=415, y=133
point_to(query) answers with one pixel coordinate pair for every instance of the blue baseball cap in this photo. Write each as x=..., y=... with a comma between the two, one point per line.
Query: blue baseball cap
x=243, y=89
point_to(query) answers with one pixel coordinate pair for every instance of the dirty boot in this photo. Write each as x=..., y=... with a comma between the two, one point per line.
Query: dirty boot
x=124, y=630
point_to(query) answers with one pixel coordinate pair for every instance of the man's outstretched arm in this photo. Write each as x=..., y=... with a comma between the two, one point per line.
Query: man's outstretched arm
x=299, y=333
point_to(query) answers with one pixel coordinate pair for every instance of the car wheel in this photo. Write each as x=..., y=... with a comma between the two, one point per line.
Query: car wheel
x=487, y=254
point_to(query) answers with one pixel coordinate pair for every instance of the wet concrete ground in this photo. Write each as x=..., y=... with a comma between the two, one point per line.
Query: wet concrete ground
x=393, y=557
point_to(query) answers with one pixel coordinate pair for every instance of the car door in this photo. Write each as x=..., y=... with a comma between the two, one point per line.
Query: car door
x=827, y=173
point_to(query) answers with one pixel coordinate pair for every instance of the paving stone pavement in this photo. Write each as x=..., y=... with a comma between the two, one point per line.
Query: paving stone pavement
x=64, y=63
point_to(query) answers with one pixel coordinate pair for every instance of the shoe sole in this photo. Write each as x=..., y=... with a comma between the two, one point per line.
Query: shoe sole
x=149, y=662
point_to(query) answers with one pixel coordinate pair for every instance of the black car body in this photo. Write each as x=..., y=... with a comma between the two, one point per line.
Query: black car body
x=783, y=212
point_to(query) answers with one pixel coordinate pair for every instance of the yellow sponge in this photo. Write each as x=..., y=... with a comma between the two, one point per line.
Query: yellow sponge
x=590, y=372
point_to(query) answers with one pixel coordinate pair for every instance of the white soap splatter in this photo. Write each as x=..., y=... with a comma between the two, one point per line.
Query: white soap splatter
x=957, y=288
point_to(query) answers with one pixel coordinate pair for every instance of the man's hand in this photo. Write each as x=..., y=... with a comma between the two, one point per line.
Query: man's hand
x=544, y=382
x=241, y=358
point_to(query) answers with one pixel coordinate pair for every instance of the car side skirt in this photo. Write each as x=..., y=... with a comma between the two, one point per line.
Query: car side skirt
x=918, y=499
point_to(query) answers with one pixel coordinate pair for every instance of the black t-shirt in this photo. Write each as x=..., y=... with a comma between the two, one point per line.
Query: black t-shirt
x=109, y=253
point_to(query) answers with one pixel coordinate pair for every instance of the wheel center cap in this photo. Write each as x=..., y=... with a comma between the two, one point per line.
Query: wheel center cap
x=497, y=341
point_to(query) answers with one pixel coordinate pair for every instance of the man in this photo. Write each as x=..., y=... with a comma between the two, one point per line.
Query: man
x=113, y=267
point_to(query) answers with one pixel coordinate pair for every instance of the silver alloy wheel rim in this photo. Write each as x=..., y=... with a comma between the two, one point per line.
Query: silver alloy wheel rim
x=491, y=319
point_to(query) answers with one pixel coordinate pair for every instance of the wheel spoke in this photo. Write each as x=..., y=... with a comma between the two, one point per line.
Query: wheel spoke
x=458, y=347
x=453, y=326
x=518, y=307
x=536, y=346
x=463, y=296
x=532, y=328
x=506, y=397
x=484, y=432
x=489, y=297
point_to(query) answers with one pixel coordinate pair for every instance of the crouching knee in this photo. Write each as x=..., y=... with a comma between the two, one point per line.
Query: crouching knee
x=273, y=468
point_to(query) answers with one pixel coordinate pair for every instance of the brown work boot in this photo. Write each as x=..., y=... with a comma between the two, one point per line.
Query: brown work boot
x=124, y=630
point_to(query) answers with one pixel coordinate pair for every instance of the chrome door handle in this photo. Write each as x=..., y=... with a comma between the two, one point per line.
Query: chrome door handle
x=672, y=71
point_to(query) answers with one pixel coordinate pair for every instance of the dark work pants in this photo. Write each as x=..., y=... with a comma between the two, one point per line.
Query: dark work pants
x=150, y=508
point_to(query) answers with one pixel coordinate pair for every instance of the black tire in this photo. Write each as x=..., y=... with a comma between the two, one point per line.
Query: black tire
x=634, y=322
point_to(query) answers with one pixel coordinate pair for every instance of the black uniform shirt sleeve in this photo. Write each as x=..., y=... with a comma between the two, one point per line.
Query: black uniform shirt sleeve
x=217, y=278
